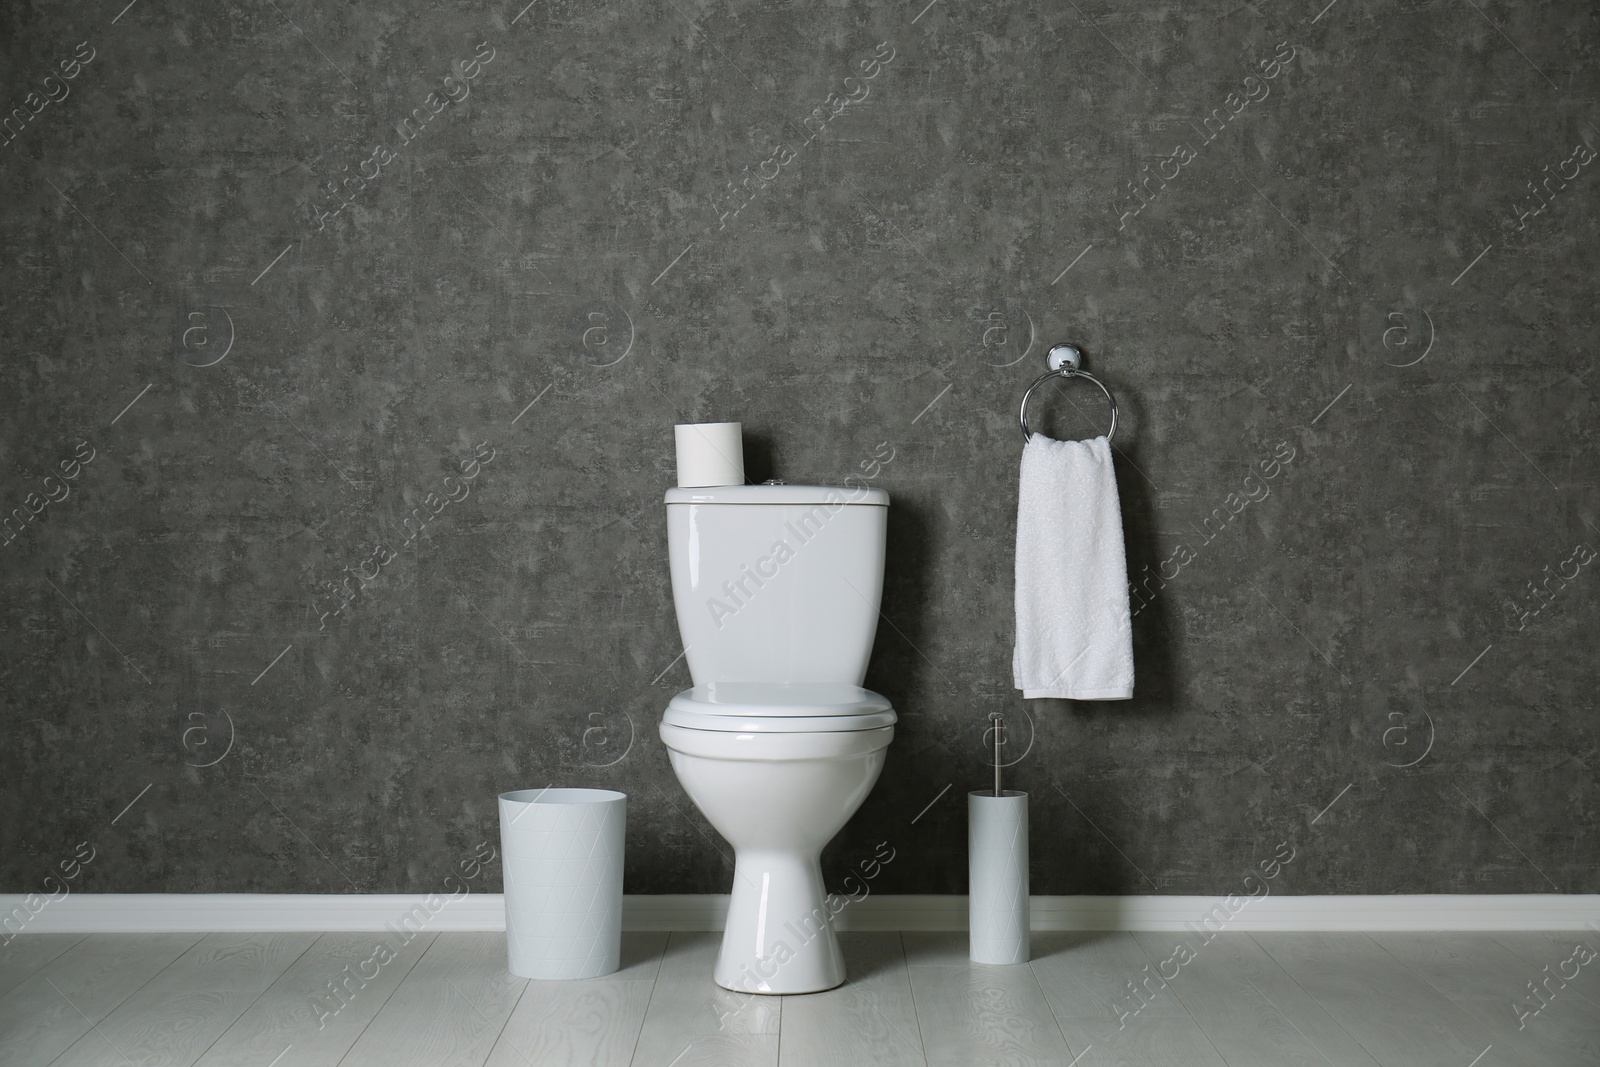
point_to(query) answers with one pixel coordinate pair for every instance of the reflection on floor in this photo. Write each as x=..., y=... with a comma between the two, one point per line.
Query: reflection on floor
x=1275, y=1000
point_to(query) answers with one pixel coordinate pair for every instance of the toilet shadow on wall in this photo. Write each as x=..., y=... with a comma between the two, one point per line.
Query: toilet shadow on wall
x=900, y=672
x=758, y=458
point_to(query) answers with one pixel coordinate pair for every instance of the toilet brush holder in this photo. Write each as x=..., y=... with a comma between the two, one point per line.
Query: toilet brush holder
x=997, y=876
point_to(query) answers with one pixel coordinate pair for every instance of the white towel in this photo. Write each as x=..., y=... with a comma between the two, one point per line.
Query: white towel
x=1074, y=629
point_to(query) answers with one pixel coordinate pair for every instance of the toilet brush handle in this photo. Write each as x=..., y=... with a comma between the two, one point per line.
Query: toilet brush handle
x=999, y=722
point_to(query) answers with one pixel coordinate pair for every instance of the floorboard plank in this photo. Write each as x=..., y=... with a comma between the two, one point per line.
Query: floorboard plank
x=1553, y=948
x=980, y=1014
x=1391, y=1012
x=870, y=1019
x=318, y=1008
x=1247, y=1005
x=594, y=1022
x=1164, y=1042
x=1101, y=976
x=26, y=954
x=176, y=1016
x=691, y=1021
x=448, y=1011
x=1489, y=982
x=924, y=948
x=45, y=1013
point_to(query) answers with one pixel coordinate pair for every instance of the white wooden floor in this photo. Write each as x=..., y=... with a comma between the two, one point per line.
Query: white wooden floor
x=1264, y=1000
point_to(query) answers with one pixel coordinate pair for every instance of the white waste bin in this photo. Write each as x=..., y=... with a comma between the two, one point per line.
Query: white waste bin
x=561, y=854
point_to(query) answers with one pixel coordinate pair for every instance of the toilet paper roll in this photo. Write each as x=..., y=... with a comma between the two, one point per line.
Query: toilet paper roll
x=710, y=453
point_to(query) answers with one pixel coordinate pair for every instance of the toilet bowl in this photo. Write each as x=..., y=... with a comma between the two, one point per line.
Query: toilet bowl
x=777, y=590
x=778, y=787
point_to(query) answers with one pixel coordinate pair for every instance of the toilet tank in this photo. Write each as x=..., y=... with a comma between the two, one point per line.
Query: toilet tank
x=777, y=583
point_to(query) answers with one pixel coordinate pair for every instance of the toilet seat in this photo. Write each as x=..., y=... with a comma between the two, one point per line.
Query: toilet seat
x=779, y=708
x=755, y=748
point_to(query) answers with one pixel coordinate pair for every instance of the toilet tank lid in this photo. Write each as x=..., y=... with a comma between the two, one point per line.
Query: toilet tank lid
x=780, y=494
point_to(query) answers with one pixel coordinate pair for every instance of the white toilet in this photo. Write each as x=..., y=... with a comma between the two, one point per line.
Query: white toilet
x=777, y=590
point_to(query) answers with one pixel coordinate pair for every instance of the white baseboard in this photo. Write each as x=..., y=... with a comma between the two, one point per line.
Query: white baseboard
x=151, y=912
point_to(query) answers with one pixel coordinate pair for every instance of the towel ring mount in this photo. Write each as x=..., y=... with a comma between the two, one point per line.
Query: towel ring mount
x=1065, y=361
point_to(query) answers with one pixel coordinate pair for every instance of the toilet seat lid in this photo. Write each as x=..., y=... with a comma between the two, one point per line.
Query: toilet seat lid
x=773, y=707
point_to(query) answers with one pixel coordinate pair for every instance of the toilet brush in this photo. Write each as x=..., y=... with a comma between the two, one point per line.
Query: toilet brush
x=997, y=866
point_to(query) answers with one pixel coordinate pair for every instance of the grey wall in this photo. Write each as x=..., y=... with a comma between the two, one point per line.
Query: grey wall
x=299, y=379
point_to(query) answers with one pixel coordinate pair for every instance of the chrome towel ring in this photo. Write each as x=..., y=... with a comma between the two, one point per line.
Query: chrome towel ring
x=1065, y=361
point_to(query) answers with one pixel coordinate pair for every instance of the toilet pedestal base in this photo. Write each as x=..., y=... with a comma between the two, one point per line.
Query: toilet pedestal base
x=779, y=937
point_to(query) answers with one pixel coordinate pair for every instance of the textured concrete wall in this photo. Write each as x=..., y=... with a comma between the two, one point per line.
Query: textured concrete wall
x=232, y=369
